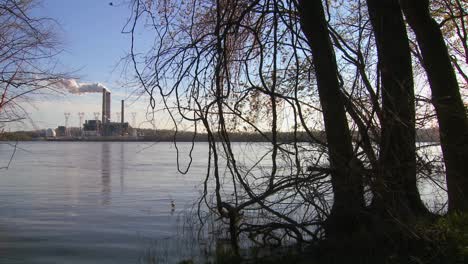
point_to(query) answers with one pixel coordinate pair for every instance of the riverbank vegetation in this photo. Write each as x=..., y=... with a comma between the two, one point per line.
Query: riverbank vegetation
x=379, y=69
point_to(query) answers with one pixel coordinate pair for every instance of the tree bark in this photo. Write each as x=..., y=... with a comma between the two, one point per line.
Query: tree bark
x=450, y=111
x=346, y=179
x=398, y=192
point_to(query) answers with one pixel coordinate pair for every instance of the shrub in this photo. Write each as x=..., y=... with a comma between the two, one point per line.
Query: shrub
x=445, y=240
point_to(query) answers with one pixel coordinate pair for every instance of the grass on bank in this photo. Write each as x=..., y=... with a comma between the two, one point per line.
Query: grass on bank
x=444, y=240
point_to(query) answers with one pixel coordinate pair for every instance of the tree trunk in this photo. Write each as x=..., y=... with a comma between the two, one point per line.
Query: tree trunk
x=346, y=179
x=398, y=193
x=453, y=123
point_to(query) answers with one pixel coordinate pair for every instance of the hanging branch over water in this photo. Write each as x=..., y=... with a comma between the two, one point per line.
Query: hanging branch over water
x=268, y=67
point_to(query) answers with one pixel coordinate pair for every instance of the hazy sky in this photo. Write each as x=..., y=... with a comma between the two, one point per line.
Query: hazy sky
x=93, y=45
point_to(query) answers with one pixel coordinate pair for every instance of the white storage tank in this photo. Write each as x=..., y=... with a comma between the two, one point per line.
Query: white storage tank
x=50, y=132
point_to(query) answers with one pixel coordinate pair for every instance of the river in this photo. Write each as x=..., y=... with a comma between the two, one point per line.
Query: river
x=93, y=202
x=100, y=202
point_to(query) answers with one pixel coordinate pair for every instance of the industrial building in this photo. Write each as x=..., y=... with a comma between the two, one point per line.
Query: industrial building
x=61, y=131
x=105, y=127
x=92, y=128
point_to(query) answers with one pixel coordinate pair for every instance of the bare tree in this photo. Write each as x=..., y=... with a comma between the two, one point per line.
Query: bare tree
x=397, y=166
x=450, y=110
x=452, y=17
x=309, y=70
x=346, y=169
x=28, y=47
x=27, y=50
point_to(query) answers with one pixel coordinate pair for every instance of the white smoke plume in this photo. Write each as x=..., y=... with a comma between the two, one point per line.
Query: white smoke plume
x=75, y=87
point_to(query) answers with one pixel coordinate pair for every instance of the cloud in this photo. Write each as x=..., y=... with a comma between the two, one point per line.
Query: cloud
x=74, y=87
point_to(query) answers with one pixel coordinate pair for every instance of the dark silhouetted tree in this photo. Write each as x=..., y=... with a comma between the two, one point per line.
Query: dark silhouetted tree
x=446, y=98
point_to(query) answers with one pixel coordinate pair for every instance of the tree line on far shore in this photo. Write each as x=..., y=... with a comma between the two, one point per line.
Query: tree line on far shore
x=429, y=135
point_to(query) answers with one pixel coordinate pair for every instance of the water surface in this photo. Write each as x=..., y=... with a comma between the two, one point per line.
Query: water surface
x=109, y=202
x=92, y=202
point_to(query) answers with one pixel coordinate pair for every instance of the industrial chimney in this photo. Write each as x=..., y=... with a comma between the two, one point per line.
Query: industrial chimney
x=104, y=106
x=122, y=118
x=108, y=106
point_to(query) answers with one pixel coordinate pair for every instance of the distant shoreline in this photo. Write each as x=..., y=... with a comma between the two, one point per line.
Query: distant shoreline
x=154, y=140
x=422, y=135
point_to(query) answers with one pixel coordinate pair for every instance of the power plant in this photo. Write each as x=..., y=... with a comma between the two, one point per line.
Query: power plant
x=105, y=127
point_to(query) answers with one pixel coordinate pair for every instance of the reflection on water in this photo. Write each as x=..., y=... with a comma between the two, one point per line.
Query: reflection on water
x=92, y=202
x=122, y=162
x=105, y=173
x=60, y=202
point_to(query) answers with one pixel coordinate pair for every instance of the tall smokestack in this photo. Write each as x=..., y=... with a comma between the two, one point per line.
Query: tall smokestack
x=122, y=118
x=122, y=113
x=108, y=106
x=104, y=106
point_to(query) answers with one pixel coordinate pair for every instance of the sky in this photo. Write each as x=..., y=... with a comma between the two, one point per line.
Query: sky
x=93, y=45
